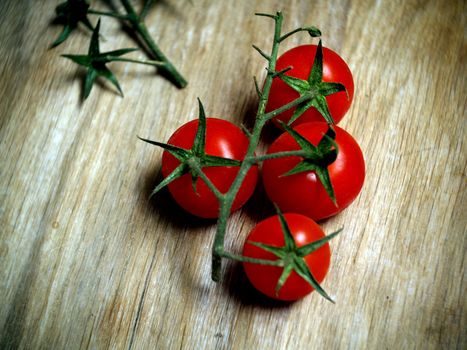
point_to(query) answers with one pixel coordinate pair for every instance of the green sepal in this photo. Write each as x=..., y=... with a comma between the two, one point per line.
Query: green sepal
x=301, y=268
x=311, y=247
x=325, y=179
x=277, y=251
x=288, y=238
x=316, y=73
x=292, y=257
x=301, y=108
x=300, y=168
x=318, y=158
x=194, y=159
x=181, y=170
x=302, y=142
x=107, y=74
x=180, y=153
x=82, y=60
x=63, y=36
x=298, y=263
x=284, y=276
x=327, y=89
x=315, y=87
x=194, y=181
x=112, y=55
x=91, y=76
x=321, y=105
x=298, y=85
x=70, y=13
x=95, y=62
x=199, y=143
x=94, y=48
x=209, y=160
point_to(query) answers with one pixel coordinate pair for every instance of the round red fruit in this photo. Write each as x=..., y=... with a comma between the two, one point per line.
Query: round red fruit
x=301, y=59
x=223, y=139
x=303, y=192
x=269, y=232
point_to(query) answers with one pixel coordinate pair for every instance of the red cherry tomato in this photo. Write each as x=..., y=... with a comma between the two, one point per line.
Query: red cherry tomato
x=303, y=192
x=223, y=139
x=264, y=278
x=301, y=60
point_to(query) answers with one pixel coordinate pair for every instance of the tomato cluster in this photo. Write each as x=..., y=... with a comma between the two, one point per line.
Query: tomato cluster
x=312, y=171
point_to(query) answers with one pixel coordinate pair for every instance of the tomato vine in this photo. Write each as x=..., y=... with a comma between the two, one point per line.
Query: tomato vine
x=316, y=158
x=218, y=250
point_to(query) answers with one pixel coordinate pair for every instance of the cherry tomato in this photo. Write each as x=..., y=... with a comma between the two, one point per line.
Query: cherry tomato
x=301, y=60
x=223, y=139
x=264, y=277
x=303, y=192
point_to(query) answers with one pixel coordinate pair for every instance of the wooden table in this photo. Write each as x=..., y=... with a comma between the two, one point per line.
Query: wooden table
x=87, y=261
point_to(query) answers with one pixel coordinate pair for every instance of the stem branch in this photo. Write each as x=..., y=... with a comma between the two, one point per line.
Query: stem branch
x=289, y=105
x=297, y=153
x=242, y=258
x=147, y=62
x=138, y=24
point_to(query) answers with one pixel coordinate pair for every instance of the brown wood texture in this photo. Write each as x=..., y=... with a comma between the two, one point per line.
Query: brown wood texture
x=87, y=261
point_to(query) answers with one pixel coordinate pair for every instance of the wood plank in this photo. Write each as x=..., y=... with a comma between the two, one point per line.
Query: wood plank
x=87, y=261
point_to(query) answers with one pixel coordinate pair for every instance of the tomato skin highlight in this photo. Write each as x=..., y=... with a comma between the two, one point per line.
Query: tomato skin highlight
x=304, y=193
x=300, y=58
x=264, y=278
x=223, y=139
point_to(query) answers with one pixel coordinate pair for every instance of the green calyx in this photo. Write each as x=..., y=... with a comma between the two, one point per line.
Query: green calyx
x=316, y=158
x=70, y=13
x=291, y=257
x=314, y=86
x=193, y=160
x=95, y=62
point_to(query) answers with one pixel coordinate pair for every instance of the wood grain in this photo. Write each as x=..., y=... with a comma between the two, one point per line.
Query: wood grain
x=88, y=262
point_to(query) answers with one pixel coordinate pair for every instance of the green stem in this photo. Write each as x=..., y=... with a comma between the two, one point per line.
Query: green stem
x=140, y=27
x=242, y=258
x=226, y=204
x=147, y=62
x=270, y=115
x=297, y=153
x=250, y=159
x=314, y=31
x=108, y=14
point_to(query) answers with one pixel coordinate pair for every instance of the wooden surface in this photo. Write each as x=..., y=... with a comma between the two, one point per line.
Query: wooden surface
x=86, y=261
